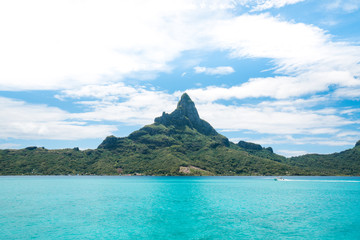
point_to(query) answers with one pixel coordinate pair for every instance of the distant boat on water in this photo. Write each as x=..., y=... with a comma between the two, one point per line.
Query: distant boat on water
x=280, y=179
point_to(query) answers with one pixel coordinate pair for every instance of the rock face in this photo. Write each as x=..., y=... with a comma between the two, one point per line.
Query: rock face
x=270, y=149
x=249, y=145
x=186, y=115
x=110, y=142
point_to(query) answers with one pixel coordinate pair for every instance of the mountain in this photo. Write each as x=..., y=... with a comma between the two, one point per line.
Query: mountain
x=186, y=114
x=182, y=143
x=179, y=143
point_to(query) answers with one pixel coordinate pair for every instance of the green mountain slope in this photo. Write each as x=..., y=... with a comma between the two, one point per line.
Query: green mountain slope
x=179, y=143
x=342, y=163
x=182, y=139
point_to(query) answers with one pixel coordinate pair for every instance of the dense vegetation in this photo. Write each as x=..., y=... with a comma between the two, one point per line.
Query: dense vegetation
x=179, y=143
x=152, y=150
x=343, y=163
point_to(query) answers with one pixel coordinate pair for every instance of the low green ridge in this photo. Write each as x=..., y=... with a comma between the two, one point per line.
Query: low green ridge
x=343, y=163
x=180, y=144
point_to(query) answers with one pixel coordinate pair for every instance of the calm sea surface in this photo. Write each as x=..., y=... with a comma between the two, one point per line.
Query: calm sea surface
x=179, y=208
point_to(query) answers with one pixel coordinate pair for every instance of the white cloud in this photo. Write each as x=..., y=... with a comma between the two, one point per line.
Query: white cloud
x=30, y=121
x=293, y=104
x=58, y=45
x=336, y=143
x=267, y=4
x=261, y=5
x=50, y=51
x=122, y=103
x=305, y=55
x=139, y=106
x=9, y=145
x=329, y=22
x=292, y=153
x=345, y=5
x=271, y=120
x=104, y=92
x=349, y=133
x=347, y=92
x=306, y=59
x=321, y=140
x=214, y=71
x=281, y=87
x=350, y=111
x=334, y=140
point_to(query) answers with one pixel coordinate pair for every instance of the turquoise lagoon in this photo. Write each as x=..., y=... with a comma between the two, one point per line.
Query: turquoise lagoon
x=99, y=207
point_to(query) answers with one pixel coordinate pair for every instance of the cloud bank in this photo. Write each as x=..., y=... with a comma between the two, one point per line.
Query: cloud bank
x=214, y=71
x=30, y=121
x=88, y=50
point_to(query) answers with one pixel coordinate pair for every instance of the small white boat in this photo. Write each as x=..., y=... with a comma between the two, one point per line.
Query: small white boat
x=280, y=179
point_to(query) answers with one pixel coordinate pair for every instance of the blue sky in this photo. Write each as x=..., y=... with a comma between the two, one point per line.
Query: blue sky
x=281, y=73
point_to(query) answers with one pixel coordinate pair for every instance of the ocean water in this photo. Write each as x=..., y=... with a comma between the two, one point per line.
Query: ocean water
x=49, y=207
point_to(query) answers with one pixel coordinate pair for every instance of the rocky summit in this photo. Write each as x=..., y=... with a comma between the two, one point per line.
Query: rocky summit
x=186, y=114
